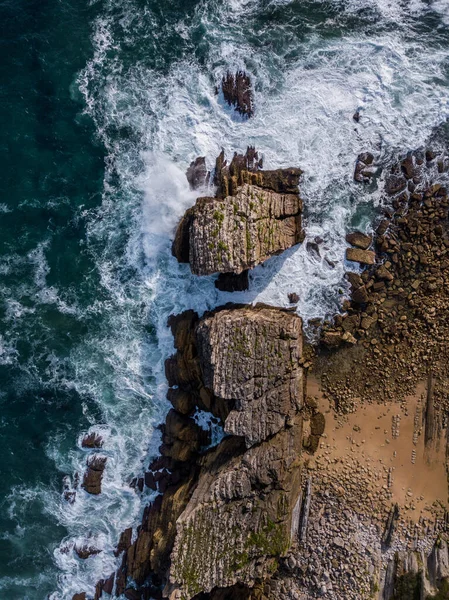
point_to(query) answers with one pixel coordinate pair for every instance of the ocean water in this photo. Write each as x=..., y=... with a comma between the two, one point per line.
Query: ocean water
x=104, y=104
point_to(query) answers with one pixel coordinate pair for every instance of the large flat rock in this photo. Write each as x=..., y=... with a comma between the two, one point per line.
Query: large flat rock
x=255, y=214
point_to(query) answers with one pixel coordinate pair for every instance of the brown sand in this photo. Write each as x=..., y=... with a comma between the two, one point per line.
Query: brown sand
x=368, y=436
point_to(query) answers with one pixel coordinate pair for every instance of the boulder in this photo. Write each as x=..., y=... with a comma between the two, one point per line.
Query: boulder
x=238, y=93
x=92, y=440
x=293, y=298
x=94, y=474
x=364, y=257
x=86, y=551
x=81, y=596
x=360, y=295
x=359, y=240
x=364, y=168
x=104, y=585
x=254, y=215
x=124, y=542
x=197, y=174
x=182, y=437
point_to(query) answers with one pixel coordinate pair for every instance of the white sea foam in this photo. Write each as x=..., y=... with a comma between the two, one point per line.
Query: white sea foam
x=304, y=107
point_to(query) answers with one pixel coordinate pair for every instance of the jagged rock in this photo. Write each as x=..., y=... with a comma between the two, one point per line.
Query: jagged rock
x=124, y=542
x=250, y=357
x=247, y=168
x=197, y=174
x=104, y=585
x=293, y=298
x=81, y=596
x=251, y=495
x=238, y=93
x=243, y=364
x=364, y=168
x=86, y=551
x=94, y=474
x=359, y=240
x=364, y=257
x=254, y=215
x=151, y=550
x=92, y=440
x=181, y=400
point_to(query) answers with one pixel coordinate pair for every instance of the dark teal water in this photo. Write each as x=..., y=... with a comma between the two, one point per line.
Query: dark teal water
x=103, y=106
x=51, y=171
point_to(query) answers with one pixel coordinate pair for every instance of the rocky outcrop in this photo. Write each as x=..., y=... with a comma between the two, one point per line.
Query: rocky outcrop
x=365, y=168
x=94, y=474
x=92, y=440
x=254, y=215
x=225, y=517
x=197, y=174
x=250, y=377
x=249, y=358
x=238, y=521
x=403, y=284
x=238, y=93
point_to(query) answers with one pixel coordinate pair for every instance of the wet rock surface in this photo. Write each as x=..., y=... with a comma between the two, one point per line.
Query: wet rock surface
x=94, y=474
x=365, y=167
x=237, y=92
x=197, y=173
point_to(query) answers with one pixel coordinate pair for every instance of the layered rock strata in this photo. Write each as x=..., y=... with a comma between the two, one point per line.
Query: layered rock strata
x=254, y=215
x=225, y=517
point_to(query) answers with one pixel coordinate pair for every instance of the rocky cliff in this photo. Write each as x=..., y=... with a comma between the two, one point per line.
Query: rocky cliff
x=254, y=215
x=225, y=516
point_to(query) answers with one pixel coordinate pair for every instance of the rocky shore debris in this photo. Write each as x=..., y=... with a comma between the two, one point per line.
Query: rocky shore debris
x=255, y=214
x=399, y=291
x=197, y=173
x=237, y=92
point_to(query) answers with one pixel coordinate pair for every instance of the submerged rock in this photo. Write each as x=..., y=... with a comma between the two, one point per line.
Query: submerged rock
x=86, y=551
x=359, y=240
x=92, y=440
